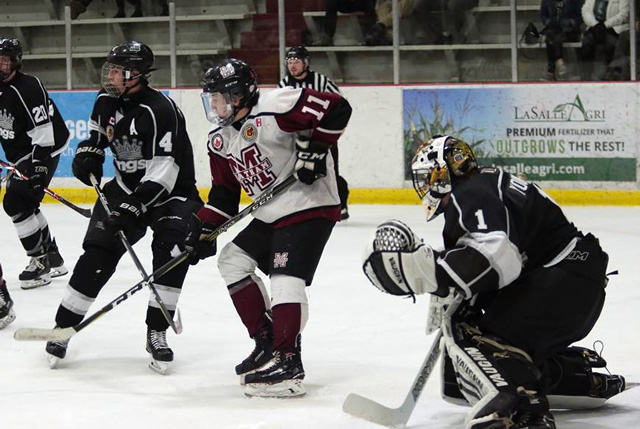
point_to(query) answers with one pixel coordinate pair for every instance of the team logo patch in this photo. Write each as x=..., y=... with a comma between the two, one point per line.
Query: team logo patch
x=250, y=133
x=216, y=141
x=280, y=260
x=110, y=132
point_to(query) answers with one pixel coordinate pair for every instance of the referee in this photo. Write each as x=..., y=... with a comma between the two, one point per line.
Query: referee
x=299, y=75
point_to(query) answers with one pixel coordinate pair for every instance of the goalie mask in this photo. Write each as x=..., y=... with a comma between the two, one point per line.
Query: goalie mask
x=229, y=87
x=12, y=50
x=437, y=164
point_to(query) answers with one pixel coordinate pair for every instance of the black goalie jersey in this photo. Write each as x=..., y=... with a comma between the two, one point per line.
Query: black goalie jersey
x=153, y=156
x=29, y=121
x=496, y=226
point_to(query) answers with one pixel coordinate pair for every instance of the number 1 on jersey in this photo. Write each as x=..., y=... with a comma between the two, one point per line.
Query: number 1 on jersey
x=480, y=216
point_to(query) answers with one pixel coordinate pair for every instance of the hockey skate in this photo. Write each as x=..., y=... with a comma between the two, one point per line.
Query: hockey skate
x=7, y=315
x=36, y=274
x=56, y=351
x=261, y=355
x=283, y=379
x=56, y=263
x=161, y=354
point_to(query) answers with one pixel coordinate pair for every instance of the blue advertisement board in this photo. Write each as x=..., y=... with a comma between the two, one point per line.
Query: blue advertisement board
x=75, y=107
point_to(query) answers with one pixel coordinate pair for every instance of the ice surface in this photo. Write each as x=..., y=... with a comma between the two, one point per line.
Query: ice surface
x=357, y=340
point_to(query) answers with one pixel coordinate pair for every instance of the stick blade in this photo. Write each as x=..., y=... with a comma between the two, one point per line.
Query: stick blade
x=367, y=409
x=38, y=334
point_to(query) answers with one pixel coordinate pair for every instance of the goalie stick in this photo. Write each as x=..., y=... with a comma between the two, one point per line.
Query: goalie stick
x=368, y=409
x=176, y=324
x=52, y=194
x=41, y=334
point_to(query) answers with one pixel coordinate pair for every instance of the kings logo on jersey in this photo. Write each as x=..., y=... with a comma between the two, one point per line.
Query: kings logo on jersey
x=128, y=154
x=252, y=171
x=6, y=125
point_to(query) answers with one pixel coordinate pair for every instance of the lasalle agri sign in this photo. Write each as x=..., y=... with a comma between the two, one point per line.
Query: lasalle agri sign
x=581, y=132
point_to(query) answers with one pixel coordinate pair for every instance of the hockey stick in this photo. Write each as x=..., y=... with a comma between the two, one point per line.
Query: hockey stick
x=52, y=194
x=365, y=408
x=176, y=324
x=39, y=334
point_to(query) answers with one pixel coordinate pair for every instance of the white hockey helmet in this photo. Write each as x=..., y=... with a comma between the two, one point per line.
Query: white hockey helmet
x=436, y=162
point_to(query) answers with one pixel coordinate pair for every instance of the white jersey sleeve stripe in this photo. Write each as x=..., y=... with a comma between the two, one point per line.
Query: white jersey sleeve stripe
x=502, y=254
x=162, y=170
x=42, y=135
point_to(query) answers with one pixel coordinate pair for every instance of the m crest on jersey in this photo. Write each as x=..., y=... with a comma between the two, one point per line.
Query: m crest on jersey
x=6, y=124
x=216, y=141
x=252, y=171
x=280, y=260
x=249, y=133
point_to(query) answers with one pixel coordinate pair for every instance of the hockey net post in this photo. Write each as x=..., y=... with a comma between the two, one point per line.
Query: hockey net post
x=370, y=410
x=84, y=212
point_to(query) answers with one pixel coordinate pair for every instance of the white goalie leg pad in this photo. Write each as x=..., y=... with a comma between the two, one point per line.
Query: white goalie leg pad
x=406, y=272
x=290, y=290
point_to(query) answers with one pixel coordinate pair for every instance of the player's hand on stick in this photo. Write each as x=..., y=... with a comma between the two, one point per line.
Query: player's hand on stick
x=88, y=161
x=197, y=244
x=37, y=173
x=312, y=160
x=125, y=215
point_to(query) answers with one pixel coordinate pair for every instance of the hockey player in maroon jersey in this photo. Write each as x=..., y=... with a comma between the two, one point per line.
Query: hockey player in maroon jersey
x=533, y=284
x=259, y=140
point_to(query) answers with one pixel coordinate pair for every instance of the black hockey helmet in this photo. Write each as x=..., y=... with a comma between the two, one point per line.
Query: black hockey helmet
x=234, y=81
x=132, y=55
x=436, y=166
x=127, y=57
x=10, y=47
x=299, y=53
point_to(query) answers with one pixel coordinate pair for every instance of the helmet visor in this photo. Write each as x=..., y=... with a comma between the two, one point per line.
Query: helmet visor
x=431, y=182
x=218, y=108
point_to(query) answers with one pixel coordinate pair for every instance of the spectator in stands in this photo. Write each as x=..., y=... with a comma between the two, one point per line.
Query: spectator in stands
x=381, y=34
x=562, y=20
x=299, y=75
x=605, y=20
x=453, y=20
x=367, y=20
x=78, y=7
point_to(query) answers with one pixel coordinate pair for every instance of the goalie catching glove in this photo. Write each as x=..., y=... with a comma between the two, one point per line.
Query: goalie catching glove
x=398, y=262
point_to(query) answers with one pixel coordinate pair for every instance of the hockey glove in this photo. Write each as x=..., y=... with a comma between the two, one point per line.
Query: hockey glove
x=312, y=160
x=125, y=215
x=88, y=161
x=37, y=173
x=197, y=244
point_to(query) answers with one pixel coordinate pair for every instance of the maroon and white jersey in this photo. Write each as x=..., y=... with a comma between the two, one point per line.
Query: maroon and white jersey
x=260, y=150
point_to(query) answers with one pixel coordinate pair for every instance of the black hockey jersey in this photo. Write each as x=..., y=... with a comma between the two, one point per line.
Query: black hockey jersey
x=496, y=226
x=261, y=151
x=29, y=121
x=312, y=80
x=147, y=134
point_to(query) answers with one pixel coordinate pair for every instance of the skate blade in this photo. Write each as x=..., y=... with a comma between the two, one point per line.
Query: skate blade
x=6, y=321
x=58, y=271
x=39, y=282
x=159, y=366
x=53, y=361
x=283, y=389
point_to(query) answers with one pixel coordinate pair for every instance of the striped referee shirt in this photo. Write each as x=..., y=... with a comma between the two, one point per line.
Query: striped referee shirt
x=312, y=80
